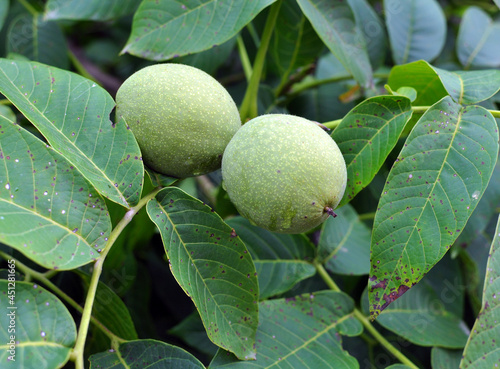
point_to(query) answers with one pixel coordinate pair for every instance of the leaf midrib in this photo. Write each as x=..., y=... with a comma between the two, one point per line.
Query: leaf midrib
x=221, y=312
x=70, y=232
x=312, y=339
x=414, y=227
x=65, y=139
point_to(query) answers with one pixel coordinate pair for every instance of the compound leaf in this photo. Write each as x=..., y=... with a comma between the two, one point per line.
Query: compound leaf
x=366, y=136
x=211, y=263
x=162, y=30
x=44, y=330
x=49, y=212
x=431, y=191
x=73, y=115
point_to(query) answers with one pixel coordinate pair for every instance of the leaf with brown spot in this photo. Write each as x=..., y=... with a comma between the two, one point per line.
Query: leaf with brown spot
x=72, y=113
x=303, y=331
x=430, y=193
x=367, y=135
x=213, y=266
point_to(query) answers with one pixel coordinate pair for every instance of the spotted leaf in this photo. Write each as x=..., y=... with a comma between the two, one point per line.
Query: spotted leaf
x=301, y=332
x=44, y=330
x=482, y=350
x=211, y=263
x=48, y=210
x=431, y=191
x=366, y=136
x=73, y=115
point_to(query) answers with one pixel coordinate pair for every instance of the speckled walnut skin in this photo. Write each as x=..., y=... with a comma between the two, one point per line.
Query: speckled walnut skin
x=284, y=173
x=181, y=117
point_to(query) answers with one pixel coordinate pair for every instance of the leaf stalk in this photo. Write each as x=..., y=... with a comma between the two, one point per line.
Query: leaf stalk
x=365, y=321
x=249, y=106
x=77, y=354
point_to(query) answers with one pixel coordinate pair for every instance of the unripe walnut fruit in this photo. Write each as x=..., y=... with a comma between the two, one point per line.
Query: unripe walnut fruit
x=284, y=173
x=181, y=117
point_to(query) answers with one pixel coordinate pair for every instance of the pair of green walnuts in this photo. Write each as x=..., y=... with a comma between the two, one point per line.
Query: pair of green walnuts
x=282, y=172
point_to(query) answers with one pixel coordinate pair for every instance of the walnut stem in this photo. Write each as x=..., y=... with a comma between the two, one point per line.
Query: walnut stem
x=330, y=211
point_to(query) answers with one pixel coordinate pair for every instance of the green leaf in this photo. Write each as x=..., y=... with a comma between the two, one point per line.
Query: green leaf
x=344, y=244
x=477, y=40
x=470, y=87
x=211, y=263
x=432, y=84
x=159, y=179
x=38, y=40
x=417, y=29
x=40, y=325
x=373, y=30
x=94, y=10
x=409, y=92
x=145, y=353
x=335, y=24
x=430, y=193
x=482, y=350
x=162, y=30
x=73, y=115
x=110, y=310
x=485, y=210
x=294, y=42
x=7, y=112
x=421, y=318
x=281, y=260
x=301, y=332
x=4, y=10
x=49, y=212
x=422, y=77
x=367, y=135
x=445, y=359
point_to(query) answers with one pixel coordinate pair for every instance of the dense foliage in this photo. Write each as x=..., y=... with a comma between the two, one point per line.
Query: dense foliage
x=108, y=264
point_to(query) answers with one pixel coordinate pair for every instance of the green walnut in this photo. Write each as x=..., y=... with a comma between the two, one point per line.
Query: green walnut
x=182, y=118
x=284, y=173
